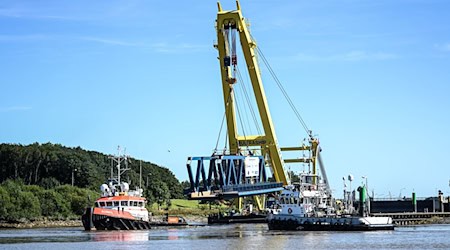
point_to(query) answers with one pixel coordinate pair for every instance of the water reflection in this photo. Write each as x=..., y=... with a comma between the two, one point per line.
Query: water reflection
x=119, y=235
x=245, y=236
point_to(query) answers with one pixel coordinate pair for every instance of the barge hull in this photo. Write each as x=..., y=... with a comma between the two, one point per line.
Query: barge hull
x=293, y=226
x=222, y=219
x=293, y=223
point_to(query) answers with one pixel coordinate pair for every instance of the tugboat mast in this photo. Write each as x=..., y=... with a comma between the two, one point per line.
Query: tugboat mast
x=119, y=158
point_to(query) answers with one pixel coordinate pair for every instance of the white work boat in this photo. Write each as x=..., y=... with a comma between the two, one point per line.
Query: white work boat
x=309, y=206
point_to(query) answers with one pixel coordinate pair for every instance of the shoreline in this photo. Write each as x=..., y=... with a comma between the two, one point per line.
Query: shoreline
x=40, y=224
x=48, y=223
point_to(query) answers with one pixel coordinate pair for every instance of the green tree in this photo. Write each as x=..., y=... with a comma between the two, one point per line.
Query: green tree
x=53, y=204
x=30, y=207
x=49, y=182
x=22, y=204
x=50, y=165
x=5, y=202
x=162, y=193
x=77, y=198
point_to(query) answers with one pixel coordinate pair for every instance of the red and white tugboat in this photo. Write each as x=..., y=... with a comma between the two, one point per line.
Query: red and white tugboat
x=118, y=208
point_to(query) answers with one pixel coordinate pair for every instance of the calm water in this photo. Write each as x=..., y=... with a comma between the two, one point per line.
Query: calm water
x=249, y=236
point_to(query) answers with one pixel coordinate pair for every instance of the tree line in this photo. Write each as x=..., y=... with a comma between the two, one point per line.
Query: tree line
x=48, y=169
x=20, y=202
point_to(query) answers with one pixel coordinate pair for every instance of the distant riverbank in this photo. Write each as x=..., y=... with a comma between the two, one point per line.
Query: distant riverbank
x=41, y=224
x=46, y=223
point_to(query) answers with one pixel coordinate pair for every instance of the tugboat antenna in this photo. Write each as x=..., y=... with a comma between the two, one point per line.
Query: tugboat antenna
x=119, y=159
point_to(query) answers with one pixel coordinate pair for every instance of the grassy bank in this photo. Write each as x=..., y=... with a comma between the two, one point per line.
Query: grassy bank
x=183, y=207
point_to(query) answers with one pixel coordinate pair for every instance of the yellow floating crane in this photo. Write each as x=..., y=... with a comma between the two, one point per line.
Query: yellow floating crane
x=232, y=21
x=229, y=26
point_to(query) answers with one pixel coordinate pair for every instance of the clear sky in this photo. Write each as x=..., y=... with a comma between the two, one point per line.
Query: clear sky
x=370, y=78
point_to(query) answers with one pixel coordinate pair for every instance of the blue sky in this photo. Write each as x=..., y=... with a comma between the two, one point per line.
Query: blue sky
x=370, y=78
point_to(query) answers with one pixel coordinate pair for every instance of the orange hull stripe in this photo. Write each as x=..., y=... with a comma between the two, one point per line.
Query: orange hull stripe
x=113, y=213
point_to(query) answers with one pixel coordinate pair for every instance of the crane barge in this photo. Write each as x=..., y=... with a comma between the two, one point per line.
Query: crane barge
x=238, y=171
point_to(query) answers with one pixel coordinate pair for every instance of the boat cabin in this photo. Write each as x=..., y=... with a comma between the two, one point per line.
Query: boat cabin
x=127, y=203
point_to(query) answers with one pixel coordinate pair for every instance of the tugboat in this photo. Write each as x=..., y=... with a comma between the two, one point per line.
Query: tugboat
x=118, y=208
x=309, y=206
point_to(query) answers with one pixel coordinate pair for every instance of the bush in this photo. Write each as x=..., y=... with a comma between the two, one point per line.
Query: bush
x=31, y=202
x=53, y=204
x=5, y=203
x=49, y=182
x=77, y=198
x=28, y=206
x=18, y=204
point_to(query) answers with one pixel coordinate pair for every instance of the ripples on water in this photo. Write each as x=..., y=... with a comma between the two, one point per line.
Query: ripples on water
x=243, y=236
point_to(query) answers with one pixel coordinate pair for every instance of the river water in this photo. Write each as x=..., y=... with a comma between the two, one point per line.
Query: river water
x=237, y=236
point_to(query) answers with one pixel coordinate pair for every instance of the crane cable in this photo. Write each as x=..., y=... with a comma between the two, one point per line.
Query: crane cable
x=242, y=125
x=244, y=106
x=299, y=117
x=223, y=121
x=252, y=111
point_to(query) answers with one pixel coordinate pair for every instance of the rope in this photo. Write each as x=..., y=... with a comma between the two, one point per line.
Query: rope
x=220, y=132
x=223, y=121
x=242, y=125
x=299, y=117
x=252, y=111
x=240, y=102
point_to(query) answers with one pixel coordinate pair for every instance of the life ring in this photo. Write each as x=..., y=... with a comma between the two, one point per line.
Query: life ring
x=290, y=210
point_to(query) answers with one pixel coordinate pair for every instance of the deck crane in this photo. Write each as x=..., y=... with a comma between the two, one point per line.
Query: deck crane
x=228, y=23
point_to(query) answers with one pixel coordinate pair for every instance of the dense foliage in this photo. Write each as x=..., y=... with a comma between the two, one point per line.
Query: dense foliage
x=30, y=202
x=53, y=167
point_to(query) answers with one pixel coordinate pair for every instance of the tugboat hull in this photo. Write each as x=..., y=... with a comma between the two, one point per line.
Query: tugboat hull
x=93, y=220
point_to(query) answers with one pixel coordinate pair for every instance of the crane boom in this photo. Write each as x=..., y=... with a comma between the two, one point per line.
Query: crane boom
x=233, y=20
x=229, y=174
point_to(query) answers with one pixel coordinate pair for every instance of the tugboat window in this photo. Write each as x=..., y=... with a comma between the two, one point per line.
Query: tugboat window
x=124, y=203
x=109, y=203
x=116, y=203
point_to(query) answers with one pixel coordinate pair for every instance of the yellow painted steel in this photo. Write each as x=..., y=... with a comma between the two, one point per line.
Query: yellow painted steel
x=252, y=140
x=267, y=142
x=295, y=148
x=300, y=160
x=314, y=148
x=269, y=145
